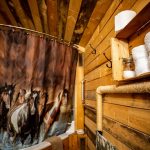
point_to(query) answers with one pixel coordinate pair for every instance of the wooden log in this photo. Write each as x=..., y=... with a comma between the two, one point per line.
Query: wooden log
x=90, y=114
x=90, y=145
x=129, y=136
x=102, y=46
x=52, y=17
x=43, y=12
x=131, y=100
x=108, y=18
x=139, y=5
x=21, y=14
x=99, y=72
x=90, y=94
x=2, y=20
x=102, y=23
x=30, y=23
x=35, y=14
x=114, y=141
x=63, y=6
x=90, y=135
x=90, y=103
x=99, y=60
x=109, y=26
x=83, y=17
x=91, y=125
x=79, y=110
x=92, y=85
x=27, y=11
x=74, y=8
x=5, y=10
x=97, y=14
x=136, y=118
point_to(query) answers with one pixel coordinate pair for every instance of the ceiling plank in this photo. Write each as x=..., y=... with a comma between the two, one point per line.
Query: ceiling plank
x=74, y=8
x=35, y=14
x=26, y=8
x=52, y=16
x=62, y=14
x=2, y=20
x=98, y=13
x=86, y=10
x=43, y=12
x=21, y=14
x=30, y=23
x=7, y=13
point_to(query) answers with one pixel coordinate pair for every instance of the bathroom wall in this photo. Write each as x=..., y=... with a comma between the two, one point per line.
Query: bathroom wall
x=126, y=117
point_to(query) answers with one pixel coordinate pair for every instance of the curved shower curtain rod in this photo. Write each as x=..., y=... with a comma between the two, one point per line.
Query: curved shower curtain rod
x=78, y=47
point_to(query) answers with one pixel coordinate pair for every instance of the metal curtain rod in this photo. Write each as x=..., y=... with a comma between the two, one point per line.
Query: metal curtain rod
x=30, y=30
x=81, y=49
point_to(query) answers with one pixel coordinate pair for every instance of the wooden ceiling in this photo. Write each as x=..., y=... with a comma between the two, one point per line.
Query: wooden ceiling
x=72, y=20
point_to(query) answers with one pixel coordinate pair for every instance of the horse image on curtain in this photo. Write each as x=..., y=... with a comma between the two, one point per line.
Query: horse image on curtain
x=37, y=77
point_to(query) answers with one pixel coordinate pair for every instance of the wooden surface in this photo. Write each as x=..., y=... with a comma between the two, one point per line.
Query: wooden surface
x=35, y=14
x=73, y=11
x=84, y=15
x=144, y=76
x=97, y=14
x=52, y=16
x=7, y=13
x=2, y=19
x=119, y=50
x=114, y=141
x=21, y=13
x=136, y=23
x=128, y=136
x=118, y=107
x=79, y=112
x=73, y=142
x=65, y=19
x=63, y=6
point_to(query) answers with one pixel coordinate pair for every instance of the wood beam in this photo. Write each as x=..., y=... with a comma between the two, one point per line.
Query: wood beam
x=35, y=14
x=83, y=17
x=52, y=17
x=43, y=12
x=62, y=14
x=79, y=113
x=21, y=14
x=98, y=13
x=5, y=9
x=30, y=23
x=2, y=20
x=74, y=8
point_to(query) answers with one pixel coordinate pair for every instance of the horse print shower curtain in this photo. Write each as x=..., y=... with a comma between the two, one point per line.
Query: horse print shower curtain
x=37, y=77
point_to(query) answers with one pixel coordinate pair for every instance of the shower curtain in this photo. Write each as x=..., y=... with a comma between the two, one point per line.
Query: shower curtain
x=37, y=77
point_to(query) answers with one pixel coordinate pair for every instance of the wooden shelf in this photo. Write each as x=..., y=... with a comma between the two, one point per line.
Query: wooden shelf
x=120, y=45
x=142, y=76
x=137, y=23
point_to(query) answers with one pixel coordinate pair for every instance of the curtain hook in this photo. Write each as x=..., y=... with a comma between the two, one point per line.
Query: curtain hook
x=109, y=66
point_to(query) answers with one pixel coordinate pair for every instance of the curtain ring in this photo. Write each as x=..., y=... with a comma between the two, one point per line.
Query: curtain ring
x=13, y=30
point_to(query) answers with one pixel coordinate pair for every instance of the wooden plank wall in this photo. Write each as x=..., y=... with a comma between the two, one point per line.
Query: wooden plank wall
x=126, y=118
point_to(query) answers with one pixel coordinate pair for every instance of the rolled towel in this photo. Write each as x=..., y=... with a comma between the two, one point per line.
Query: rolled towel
x=56, y=142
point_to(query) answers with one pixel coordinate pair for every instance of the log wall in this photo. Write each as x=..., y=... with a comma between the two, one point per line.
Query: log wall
x=126, y=117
